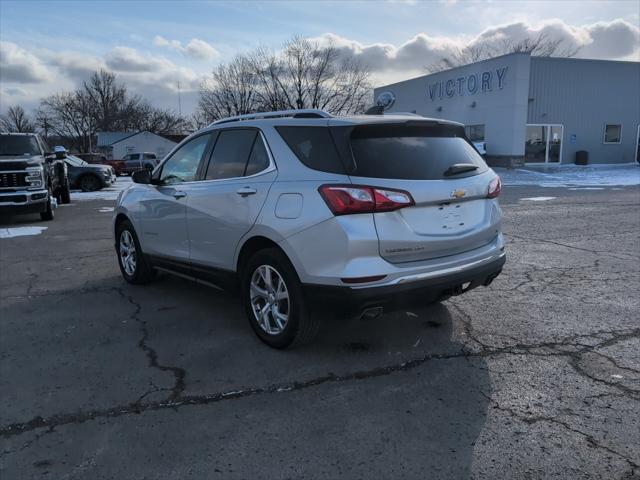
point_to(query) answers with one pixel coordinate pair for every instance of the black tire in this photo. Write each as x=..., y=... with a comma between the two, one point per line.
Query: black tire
x=301, y=327
x=65, y=193
x=143, y=271
x=48, y=215
x=90, y=183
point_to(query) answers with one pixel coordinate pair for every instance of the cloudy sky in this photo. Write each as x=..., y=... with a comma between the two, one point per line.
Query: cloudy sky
x=49, y=46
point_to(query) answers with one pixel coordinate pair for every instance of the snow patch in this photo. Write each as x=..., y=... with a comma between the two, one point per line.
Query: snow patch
x=555, y=176
x=538, y=199
x=20, y=231
x=109, y=193
x=106, y=209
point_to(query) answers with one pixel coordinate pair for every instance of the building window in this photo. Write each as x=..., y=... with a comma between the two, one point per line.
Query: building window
x=612, y=133
x=475, y=133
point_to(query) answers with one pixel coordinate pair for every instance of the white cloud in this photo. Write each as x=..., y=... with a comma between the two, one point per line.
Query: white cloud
x=614, y=39
x=617, y=39
x=125, y=59
x=196, y=48
x=76, y=65
x=200, y=49
x=20, y=66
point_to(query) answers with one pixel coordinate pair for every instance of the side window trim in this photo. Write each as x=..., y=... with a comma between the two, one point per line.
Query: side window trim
x=271, y=167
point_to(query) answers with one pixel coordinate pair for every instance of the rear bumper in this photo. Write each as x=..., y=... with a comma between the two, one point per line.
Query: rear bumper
x=408, y=291
x=23, y=201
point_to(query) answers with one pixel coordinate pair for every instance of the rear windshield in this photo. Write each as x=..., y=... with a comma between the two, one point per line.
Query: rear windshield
x=411, y=152
x=407, y=152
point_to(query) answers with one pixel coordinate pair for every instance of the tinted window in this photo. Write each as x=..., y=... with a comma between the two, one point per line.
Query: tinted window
x=149, y=156
x=612, y=133
x=230, y=154
x=314, y=147
x=19, y=145
x=258, y=160
x=183, y=164
x=411, y=152
x=475, y=133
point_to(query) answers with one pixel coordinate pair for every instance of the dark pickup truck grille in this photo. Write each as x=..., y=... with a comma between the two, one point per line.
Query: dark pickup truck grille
x=6, y=165
x=12, y=180
x=13, y=198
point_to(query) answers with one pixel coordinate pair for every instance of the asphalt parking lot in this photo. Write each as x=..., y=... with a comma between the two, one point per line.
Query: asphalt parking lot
x=537, y=376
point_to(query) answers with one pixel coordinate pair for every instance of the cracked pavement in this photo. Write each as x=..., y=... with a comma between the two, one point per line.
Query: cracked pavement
x=537, y=376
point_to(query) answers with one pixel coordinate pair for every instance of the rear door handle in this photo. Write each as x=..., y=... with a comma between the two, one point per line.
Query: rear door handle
x=245, y=191
x=178, y=195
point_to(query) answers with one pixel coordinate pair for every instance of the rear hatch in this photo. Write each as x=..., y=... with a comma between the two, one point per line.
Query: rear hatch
x=447, y=179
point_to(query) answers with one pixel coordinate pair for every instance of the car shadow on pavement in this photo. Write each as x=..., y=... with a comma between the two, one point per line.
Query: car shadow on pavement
x=397, y=383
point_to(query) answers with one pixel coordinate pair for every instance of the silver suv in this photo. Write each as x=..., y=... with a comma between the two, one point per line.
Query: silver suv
x=307, y=213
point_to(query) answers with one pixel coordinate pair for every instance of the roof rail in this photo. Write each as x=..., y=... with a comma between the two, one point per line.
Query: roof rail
x=302, y=113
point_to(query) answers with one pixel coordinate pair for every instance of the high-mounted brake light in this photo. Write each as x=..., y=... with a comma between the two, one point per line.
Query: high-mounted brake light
x=495, y=187
x=349, y=199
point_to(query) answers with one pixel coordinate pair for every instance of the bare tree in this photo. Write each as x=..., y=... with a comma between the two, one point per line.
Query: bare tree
x=231, y=90
x=157, y=120
x=304, y=74
x=102, y=103
x=69, y=115
x=539, y=46
x=16, y=121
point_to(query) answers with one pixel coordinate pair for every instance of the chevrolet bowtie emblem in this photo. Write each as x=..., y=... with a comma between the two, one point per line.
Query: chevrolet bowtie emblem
x=458, y=193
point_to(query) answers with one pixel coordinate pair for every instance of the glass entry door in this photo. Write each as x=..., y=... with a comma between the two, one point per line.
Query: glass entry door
x=543, y=144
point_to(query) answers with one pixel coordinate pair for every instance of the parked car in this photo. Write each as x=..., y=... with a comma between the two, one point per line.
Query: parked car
x=32, y=179
x=305, y=212
x=100, y=159
x=87, y=177
x=140, y=161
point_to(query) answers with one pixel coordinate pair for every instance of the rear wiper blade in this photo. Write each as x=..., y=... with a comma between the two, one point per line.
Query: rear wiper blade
x=460, y=168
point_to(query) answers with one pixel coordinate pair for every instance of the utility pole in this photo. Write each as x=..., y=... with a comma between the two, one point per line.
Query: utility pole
x=179, y=101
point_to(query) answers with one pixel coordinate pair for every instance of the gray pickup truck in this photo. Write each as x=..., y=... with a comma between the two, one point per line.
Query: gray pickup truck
x=32, y=179
x=140, y=161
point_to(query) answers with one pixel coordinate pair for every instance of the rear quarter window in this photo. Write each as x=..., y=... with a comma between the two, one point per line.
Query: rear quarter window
x=411, y=152
x=314, y=147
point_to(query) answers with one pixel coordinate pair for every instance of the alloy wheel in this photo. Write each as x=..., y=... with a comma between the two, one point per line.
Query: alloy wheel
x=269, y=298
x=128, y=257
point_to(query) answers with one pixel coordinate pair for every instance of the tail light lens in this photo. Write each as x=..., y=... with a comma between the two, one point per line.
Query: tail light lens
x=349, y=199
x=495, y=187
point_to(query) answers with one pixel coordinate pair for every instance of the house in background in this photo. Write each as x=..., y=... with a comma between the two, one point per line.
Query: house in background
x=115, y=145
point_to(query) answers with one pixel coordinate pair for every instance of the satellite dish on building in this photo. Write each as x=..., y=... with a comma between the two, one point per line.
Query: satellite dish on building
x=386, y=100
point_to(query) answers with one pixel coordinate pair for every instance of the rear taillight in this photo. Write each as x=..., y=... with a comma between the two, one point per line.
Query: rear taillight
x=495, y=186
x=349, y=199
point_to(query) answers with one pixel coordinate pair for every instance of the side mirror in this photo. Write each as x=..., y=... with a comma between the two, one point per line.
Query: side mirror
x=141, y=176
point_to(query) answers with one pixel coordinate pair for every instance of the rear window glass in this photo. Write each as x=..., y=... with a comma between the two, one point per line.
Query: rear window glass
x=411, y=152
x=258, y=160
x=314, y=147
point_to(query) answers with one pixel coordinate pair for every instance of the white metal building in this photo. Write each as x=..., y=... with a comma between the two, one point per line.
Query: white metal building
x=533, y=109
x=118, y=144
